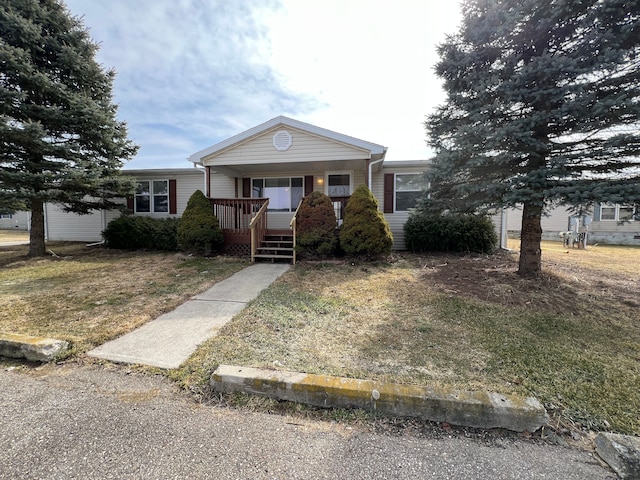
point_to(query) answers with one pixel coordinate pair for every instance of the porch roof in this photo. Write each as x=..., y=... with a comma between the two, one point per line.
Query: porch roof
x=369, y=151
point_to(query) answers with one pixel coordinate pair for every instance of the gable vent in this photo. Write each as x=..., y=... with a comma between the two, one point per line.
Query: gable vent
x=282, y=140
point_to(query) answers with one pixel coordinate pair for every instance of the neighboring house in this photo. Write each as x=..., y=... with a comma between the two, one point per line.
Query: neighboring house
x=607, y=223
x=15, y=221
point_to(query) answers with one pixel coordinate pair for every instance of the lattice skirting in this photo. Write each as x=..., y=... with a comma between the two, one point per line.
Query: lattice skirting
x=237, y=249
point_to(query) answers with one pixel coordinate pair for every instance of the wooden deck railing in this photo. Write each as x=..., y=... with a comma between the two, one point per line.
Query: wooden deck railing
x=292, y=226
x=244, y=221
x=235, y=214
x=258, y=228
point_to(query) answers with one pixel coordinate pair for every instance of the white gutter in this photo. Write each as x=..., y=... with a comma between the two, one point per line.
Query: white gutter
x=370, y=179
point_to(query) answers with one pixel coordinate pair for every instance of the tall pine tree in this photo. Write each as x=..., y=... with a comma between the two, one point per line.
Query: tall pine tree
x=542, y=109
x=60, y=140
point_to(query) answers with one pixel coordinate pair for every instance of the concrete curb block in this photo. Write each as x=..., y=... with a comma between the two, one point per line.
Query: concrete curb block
x=621, y=452
x=35, y=349
x=471, y=409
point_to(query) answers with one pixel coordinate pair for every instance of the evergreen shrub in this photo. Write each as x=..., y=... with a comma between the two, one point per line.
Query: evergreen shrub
x=365, y=232
x=199, y=230
x=449, y=233
x=134, y=233
x=316, y=227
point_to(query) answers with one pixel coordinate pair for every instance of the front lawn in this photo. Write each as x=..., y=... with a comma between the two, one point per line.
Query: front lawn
x=88, y=295
x=571, y=338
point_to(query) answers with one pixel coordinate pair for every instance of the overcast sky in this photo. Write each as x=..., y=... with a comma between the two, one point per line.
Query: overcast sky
x=191, y=73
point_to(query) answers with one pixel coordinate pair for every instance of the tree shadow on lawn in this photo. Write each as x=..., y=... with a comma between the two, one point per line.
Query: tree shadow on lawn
x=471, y=322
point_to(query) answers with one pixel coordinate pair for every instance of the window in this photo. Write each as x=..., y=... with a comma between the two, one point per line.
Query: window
x=339, y=184
x=616, y=213
x=6, y=215
x=152, y=196
x=284, y=194
x=408, y=189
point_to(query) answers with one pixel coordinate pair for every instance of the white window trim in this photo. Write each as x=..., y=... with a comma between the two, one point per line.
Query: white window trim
x=616, y=214
x=395, y=191
x=152, y=195
x=293, y=207
x=338, y=172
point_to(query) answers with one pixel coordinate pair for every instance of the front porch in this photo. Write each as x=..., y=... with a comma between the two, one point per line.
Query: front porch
x=247, y=230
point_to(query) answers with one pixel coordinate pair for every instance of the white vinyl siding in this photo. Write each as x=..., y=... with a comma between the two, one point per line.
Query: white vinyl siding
x=304, y=148
x=88, y=228
x=15, y=221
x=557, y=220
x=221, y=186
x=71, y=227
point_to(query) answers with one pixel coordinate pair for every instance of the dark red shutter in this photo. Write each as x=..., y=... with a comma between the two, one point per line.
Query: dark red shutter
x=173, y=201
x=246, y=188
x=389, y=179
x=130, y=202
x=308, y=184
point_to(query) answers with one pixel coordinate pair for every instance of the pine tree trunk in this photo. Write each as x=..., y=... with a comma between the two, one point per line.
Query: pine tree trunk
x=530, y=236
x=36, y=239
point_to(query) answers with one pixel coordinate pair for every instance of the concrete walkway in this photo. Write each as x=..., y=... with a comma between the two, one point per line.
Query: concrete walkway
x=171, y=339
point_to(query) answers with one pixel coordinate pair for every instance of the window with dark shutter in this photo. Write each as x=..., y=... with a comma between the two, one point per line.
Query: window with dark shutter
x=246, y=188
x=389, y=180
x=308, y=185
x=173, y=200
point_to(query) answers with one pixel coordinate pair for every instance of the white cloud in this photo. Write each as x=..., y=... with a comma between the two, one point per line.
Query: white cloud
x=191, y=73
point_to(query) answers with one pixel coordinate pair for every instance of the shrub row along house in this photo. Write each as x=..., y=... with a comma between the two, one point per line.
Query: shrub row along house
x=256, y=179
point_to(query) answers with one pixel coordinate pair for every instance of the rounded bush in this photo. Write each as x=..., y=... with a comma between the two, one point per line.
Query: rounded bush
x=365, y=232
x=316, y=227
x=449, y=233
x=199, y=230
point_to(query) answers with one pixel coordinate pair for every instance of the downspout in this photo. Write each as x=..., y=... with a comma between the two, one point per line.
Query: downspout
x=207, y=181
x=370, y=173
x=46, y=221
x=503, y=229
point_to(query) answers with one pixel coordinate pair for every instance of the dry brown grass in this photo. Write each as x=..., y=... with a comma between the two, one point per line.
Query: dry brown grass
x=571, y=338
x=90, y=295
x=14, y=236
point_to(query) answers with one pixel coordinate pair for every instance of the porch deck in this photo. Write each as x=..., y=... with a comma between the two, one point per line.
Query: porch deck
x=235, y=216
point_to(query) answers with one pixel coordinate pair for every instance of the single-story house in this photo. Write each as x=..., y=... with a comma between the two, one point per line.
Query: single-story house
x=275, y=164
x=606, y=223
x=15, y=221
x=256, y=179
